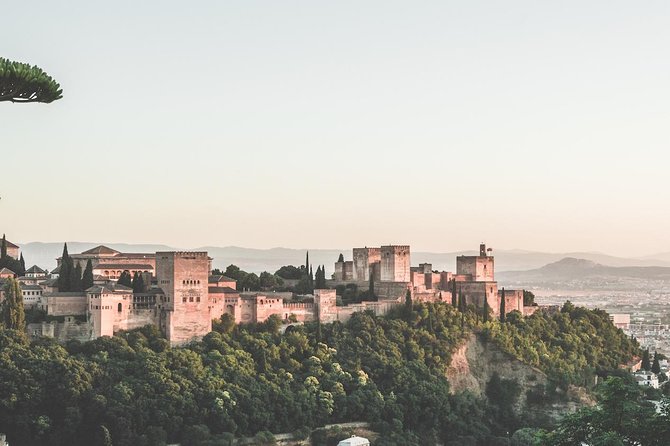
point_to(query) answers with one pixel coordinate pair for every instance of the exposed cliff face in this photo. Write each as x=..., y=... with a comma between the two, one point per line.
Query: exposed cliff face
x=473, y=364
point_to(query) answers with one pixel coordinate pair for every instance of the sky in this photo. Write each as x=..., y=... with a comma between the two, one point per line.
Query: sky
x=320, y=124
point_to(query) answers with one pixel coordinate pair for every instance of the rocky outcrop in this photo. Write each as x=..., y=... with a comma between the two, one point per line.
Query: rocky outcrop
x=475, y=361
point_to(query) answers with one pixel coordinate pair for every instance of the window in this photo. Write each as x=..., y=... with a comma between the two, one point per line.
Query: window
x=197, y=299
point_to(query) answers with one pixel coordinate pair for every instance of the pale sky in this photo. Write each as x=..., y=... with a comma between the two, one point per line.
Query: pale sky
x=330, y=124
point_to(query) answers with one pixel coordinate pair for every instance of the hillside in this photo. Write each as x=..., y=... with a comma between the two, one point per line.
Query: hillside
x=586, y=274
x=389, y=371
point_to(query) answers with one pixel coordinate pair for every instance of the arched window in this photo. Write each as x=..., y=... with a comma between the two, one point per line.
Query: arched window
x=120, y=308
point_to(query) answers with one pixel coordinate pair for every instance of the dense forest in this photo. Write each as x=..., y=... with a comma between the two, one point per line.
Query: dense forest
x=244, y=380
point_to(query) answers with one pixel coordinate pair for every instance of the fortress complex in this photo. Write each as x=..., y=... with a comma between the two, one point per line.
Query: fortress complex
x=183, y=298
x=388, y=271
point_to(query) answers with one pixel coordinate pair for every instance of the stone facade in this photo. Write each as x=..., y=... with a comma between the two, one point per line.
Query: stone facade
x=363, y=263
x=184, y=278
x=395, y=262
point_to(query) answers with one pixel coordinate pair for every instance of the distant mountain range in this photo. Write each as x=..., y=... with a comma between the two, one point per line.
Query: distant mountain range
x=258, y=260
x=582, y=273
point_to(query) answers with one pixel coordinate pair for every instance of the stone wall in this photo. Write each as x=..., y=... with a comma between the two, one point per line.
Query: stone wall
x=395, y=263
x=64, y=305
x=183, y=276
x=481, y=269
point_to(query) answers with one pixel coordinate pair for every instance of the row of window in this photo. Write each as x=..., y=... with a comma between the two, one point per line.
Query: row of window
x=190, y=299
x=190, y=282
x=32, y=293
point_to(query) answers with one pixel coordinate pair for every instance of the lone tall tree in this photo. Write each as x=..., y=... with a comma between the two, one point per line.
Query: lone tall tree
x=65, y=273
x=12, y=312
x=87, y=277
x=646, y=363
x=3, y=248
x=454, y=297
x=22, y=83
x=502, y=306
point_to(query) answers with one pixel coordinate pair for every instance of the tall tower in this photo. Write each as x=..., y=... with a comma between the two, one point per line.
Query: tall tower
x=183, y=276
x=395, y=263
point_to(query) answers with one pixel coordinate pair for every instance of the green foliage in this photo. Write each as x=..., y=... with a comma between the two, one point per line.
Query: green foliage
x=290, y=272
x=21, y=83
x=646, y=363
x=656, y=366
x=12, y=313
x=570, y=346
x=622, y=417
x=87, y=276
x=125, y=279
x=67, y=277
x=138, y=283
x=528, y=298
x=246, y=379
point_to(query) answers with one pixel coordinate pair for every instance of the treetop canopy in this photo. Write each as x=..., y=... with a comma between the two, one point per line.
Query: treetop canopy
x=20, y=82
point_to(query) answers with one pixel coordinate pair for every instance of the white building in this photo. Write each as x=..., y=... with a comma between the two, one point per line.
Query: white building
x=644, y=378
x=354, y=441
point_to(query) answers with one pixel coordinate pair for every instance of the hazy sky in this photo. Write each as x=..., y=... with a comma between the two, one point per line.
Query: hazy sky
x=529, y=124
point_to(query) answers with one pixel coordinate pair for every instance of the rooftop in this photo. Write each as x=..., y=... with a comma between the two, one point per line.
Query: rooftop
x=101, y=250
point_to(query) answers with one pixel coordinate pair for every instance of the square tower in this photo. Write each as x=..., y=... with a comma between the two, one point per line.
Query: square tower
x=480, y=268
x=395, y=263
x=183, y=276
x=363, y=259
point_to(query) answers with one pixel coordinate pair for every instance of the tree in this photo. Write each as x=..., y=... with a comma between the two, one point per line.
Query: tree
x=646, y=364
x=233, y=271
x=250, y=282
x=125, y=279
x=656, y=366
x=87, y=276
x=75, y=280
x=528, y=298
x=485, y=311
x=138, y=283
x=23, y=266
x=12, y=311
x=340, y=259
x=3, y=248
x=408, y=299
x=289, y=272
x=65, y=273
x=22, y=83
x=454, y=297
x=502, y=306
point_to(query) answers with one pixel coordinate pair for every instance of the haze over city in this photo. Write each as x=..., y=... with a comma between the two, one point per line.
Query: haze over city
x=330, y=125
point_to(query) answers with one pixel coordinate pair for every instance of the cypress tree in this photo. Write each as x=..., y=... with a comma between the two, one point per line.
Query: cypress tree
x=125, y=279
x=3, y=248
x=486, y=311
x=371, y=287
x=454, y=301
x=656, y=366
x=340, y=259
x=311, y=277
x=87, y=276
x=646, y=364
x=502, y=306
x=23, y=265
x=12, y=313
x=408, y=299
x=307, y=261
x=76, y=278
x=65, y=274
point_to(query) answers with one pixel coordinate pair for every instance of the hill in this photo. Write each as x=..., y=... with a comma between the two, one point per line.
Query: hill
x=586, y=274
